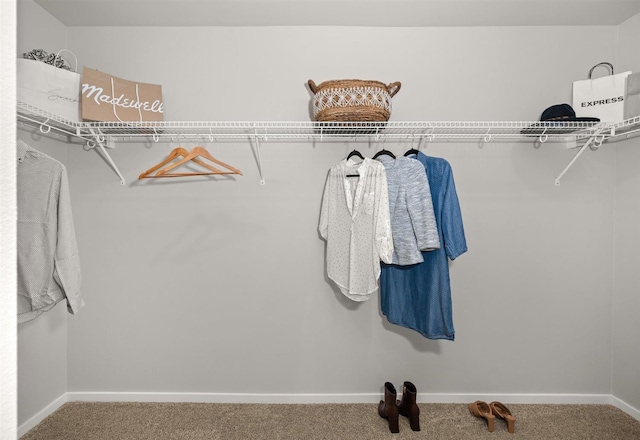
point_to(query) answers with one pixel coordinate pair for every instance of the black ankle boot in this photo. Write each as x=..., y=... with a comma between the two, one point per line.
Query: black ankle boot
x=408, y=406
x=388, y=408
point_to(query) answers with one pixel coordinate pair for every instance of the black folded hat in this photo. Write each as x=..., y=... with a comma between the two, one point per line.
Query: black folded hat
x=553, y=121
x=563, y=113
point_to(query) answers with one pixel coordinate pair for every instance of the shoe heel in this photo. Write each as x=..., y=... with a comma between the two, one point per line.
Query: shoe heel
x=394, y=425
x=490, y=421
x=414, y=422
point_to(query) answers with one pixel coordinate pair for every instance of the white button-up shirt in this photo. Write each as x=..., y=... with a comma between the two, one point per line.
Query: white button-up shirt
x=355, y=222
x=48, y=263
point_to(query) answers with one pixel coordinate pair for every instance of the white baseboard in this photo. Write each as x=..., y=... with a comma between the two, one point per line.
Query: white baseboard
x=42, y=414
x=223, y=397
x=602, y=399
x=624, y=406
x=575, y=399
x=605, y=399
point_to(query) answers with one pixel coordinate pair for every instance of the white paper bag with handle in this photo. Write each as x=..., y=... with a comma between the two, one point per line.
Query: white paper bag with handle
x=601, y=97
x=49, y=88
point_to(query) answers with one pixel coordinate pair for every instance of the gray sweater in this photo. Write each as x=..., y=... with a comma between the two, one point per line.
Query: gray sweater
x=413, y=223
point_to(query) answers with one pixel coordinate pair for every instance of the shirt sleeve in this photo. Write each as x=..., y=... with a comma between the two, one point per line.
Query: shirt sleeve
x=420, y=208
x=384, y=239
x=66, y=270
x=323, y=226
x=452, y=230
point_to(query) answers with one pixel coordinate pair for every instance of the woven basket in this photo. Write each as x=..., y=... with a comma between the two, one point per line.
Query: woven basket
x=352, y=100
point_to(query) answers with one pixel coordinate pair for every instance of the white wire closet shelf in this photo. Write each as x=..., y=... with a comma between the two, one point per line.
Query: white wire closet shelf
x=296, y=130
x=104, y=134
x=354, y=131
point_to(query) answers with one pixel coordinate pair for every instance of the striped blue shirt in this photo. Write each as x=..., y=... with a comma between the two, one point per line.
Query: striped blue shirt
x=413, y=223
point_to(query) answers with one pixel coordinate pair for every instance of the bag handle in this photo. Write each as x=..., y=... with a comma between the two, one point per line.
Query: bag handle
x=113, y=94
x=74, y=57
x=604, y=63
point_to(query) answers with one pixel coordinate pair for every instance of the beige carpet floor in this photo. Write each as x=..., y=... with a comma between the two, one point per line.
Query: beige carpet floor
x=191, y=421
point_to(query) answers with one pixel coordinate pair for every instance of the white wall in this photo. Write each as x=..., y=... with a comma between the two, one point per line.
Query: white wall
x=219, y=286
x=42, y=343
x=8, y=217
x=626, y=305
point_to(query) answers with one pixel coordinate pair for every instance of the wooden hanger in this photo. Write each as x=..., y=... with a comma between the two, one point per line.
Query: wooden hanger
x=176, y=152
x=194, y=155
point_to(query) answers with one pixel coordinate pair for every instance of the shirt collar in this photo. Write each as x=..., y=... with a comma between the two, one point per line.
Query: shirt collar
x=352, y=162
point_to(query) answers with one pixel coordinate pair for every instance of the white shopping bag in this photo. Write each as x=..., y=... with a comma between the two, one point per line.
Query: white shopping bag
x=601, y=98
x=49, y=88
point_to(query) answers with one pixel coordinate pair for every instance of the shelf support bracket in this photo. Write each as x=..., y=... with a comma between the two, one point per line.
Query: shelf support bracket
x=590, y=141
x=99, y=140
x=259, y=159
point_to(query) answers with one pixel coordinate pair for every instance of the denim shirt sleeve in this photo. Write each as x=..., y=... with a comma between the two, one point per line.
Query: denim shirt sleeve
x=455, y=243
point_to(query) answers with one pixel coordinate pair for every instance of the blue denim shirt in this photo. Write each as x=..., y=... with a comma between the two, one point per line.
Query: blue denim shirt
x=419, y=296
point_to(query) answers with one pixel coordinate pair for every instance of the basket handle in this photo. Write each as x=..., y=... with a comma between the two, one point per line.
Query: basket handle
x=312, y=86
x=609, y=65
x=393, y=88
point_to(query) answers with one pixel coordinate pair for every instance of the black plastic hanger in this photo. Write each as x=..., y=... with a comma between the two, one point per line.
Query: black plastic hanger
x=350, y=155
x=355, y=153
x=411, y=152
x=383, y=152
